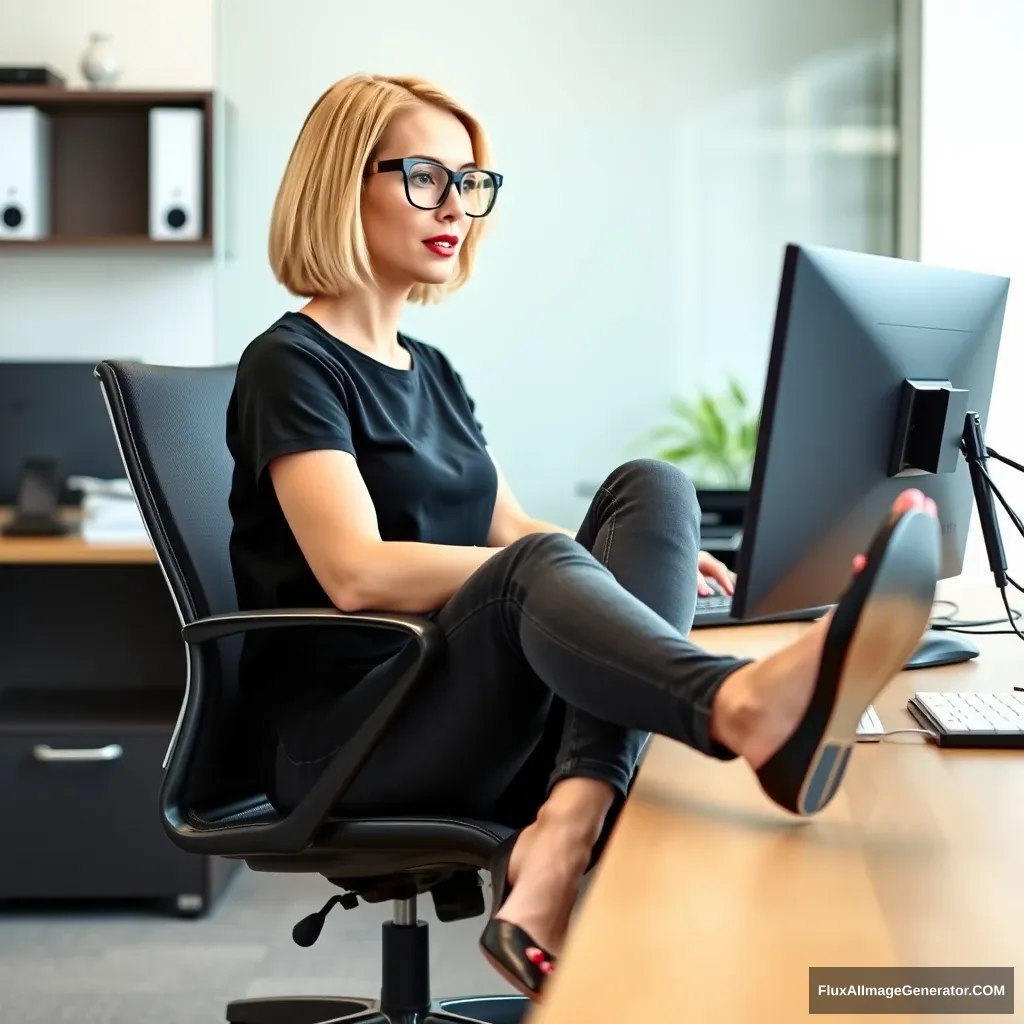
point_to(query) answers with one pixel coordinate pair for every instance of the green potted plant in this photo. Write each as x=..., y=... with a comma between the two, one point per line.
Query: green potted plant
x=713, y=437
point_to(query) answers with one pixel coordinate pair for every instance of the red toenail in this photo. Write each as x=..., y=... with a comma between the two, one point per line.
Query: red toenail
x=547, y=967
x=534, y=955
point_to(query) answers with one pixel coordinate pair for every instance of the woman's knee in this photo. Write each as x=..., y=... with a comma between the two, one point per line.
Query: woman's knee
x=657, y=481
x=545, y=556
x=546, y=548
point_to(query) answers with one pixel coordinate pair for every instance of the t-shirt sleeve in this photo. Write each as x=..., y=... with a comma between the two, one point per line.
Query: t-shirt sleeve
x=289, y=401
x=472, y=405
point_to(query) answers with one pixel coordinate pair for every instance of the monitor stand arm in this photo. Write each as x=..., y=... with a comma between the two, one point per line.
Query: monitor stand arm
x=940, y=647
x=973, y=447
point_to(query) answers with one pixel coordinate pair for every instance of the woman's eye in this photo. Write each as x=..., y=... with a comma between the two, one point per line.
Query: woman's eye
x=423, y=179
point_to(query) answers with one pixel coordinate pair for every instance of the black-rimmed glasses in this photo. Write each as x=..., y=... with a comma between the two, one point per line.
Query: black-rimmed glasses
x=427, y=184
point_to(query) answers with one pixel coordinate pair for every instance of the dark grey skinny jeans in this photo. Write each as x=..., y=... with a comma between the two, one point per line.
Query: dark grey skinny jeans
x=562, y=657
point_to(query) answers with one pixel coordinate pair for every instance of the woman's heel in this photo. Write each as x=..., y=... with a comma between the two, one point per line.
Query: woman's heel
x=504, y=944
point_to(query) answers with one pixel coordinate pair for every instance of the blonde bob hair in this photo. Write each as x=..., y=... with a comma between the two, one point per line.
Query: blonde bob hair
x=317, y=243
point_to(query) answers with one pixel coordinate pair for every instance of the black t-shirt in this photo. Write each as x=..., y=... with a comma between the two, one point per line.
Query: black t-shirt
x=419, y=449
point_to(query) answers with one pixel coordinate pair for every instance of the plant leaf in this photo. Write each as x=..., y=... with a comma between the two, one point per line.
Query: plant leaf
x=669, y=430
x=688, y=412
x=717, y=431
x=713, y=435
x=681, y=453
x=748, y=437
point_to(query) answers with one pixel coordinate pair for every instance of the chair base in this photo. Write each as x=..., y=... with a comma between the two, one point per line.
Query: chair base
x=405, y=991
x=339, y=1010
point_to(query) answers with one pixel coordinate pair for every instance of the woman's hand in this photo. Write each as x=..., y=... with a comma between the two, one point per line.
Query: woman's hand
x=710, y=568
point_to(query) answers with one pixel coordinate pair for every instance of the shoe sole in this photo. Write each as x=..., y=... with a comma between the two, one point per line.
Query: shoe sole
x=875, y=628
x=892, y=620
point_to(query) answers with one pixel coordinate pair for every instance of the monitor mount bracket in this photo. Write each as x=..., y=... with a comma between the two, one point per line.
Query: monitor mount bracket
x=933, y=428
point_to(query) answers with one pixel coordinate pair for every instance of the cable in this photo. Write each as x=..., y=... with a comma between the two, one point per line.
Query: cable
x=942, y=622
x=915, y=732
x=950, y=624
x=1011, y=613
x=1014, y=518
x=984, y=632
x=993, y=454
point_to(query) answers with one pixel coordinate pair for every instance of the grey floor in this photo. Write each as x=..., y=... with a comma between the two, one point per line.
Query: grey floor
x=133, y=966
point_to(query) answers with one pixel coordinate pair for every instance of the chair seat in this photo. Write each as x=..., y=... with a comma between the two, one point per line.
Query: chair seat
x=357, y=847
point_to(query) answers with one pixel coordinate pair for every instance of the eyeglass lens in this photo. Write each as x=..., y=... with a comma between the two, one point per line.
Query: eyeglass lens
x=427, y=184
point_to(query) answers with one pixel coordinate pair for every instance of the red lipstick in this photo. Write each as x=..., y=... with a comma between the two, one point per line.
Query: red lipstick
x=444, y=246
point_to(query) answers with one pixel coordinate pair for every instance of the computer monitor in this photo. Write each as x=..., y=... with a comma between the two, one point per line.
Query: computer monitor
x=54, y=410
x=875, y=364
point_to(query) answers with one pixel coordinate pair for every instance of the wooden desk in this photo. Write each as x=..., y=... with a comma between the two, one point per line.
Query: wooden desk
x=710, y=905
x=70, y=549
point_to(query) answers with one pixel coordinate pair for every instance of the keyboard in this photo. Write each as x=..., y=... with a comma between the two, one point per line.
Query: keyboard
x=716, y=610
x=993, y=720
x=712, y=608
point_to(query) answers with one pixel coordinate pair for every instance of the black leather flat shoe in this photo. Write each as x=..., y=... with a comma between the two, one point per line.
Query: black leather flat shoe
x=875, y=628
x=505, y=944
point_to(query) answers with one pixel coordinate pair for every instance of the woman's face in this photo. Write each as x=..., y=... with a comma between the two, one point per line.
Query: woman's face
x=409, y=245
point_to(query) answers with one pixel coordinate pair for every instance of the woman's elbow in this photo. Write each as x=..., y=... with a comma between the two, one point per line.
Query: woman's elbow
x=347, y=582
x=344, y=589
x=348, y=595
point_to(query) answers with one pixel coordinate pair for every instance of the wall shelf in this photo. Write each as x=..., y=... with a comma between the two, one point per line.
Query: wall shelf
x=107, y=242
x=99, y=166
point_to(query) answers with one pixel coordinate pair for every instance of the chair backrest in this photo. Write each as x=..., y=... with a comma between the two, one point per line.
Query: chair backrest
x=170, y=427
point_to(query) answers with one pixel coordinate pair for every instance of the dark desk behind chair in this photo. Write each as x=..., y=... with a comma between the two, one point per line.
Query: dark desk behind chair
x=92, y=672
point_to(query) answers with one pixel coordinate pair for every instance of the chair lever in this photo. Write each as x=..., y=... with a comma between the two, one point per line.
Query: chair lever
x=307, y=931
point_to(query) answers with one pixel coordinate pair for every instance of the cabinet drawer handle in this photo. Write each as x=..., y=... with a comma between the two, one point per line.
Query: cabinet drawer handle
x=44, y=752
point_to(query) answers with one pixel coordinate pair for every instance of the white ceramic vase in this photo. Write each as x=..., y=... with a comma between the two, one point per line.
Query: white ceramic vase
x=100, y=65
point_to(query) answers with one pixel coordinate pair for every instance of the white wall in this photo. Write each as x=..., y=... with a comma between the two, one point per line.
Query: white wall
x=577, y=327
x=93, y=303
x=807, y=156
x=972, y=194
x=163, y=44
x=636, y=82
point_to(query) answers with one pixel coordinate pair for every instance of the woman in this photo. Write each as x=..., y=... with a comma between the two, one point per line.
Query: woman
x=363, y=480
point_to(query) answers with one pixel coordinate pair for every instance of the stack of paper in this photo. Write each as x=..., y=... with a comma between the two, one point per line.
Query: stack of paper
x=110, y=514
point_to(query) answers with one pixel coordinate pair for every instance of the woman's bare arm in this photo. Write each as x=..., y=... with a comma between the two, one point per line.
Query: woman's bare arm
x=330, y=512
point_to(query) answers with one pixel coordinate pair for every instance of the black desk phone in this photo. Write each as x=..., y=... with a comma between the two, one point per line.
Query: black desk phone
x=37, y=507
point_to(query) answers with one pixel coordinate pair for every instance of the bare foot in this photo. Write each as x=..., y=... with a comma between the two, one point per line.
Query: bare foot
x=550, y=859
x=761, y=704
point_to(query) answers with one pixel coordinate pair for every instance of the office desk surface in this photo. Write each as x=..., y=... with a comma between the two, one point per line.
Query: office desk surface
x=710, y=905
x=69, y=549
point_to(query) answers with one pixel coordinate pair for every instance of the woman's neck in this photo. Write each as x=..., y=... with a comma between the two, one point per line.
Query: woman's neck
x=368, y=322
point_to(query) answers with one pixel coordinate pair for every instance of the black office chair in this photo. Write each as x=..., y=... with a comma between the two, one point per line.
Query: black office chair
x=169, y=423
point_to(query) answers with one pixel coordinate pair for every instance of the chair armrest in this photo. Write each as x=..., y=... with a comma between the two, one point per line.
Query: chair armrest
x=298, y=829
x=215, y=627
